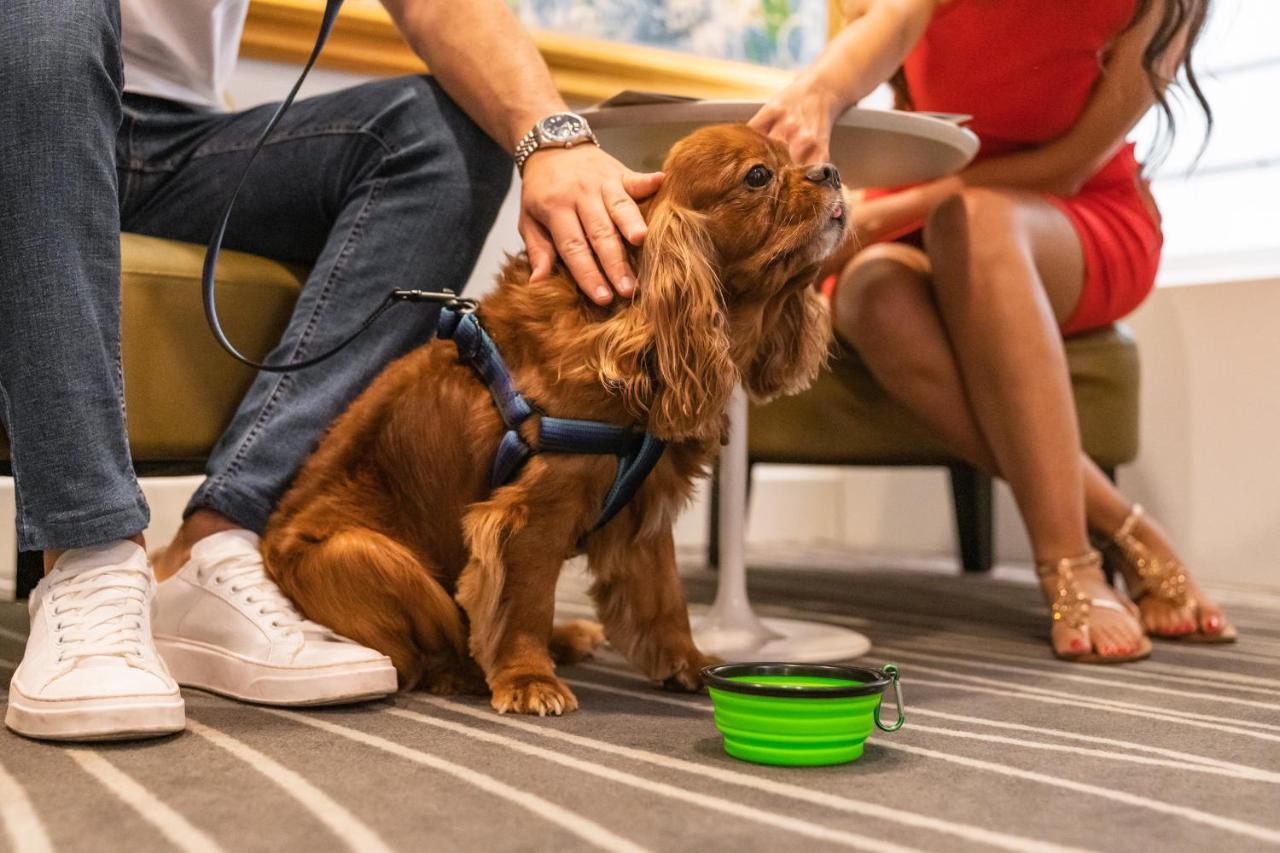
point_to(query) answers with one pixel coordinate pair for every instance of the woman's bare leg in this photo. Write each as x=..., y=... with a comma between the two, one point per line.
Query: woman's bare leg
x=885, y=298
x=892, y=282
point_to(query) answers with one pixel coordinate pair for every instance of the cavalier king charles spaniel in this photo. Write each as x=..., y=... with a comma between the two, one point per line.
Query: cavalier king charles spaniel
x=391, y=535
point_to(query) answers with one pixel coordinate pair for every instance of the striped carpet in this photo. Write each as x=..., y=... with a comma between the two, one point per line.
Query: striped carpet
x=1004, y=748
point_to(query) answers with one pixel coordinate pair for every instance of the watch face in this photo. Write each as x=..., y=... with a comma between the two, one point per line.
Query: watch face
x=561, y=127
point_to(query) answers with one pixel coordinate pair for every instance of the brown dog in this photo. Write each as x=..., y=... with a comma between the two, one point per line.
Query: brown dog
x=390, y=534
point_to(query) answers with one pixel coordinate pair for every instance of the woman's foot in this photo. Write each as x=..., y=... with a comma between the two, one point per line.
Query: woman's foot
x=1172, y=605
x=1091, y=624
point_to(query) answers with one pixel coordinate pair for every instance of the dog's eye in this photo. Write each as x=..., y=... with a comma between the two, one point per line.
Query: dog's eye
x=758, y=177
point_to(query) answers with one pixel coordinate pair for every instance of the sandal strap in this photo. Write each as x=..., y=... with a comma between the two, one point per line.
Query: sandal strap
x=1109, y=604
x=1070, y=605
x=1130, y=522
x=1144, y=571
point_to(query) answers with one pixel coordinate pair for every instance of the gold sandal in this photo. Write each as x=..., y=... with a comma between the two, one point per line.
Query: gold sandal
x=1165, y=578
x=1071, y=607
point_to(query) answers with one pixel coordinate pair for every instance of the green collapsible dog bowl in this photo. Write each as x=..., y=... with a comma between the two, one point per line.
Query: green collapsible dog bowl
x=799, y=715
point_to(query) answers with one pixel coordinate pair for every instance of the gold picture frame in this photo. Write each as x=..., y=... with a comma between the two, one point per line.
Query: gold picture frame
x=365, y=41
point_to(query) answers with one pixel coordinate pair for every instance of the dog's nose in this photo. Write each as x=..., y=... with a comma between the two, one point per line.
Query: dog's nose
x=824, y=173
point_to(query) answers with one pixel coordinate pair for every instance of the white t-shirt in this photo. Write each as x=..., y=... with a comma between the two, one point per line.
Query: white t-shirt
x=184, y=50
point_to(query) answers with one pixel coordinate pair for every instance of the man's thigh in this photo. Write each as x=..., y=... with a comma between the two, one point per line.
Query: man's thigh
x=178, y=167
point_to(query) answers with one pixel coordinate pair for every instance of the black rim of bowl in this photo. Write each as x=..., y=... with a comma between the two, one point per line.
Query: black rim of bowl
x=872, y=681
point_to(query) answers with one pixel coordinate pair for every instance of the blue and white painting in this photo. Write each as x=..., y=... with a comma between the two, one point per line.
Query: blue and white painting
x=780, y=33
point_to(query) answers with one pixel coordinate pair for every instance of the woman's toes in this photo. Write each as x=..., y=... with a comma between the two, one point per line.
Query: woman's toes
x=1164, y=621
x=1212, y=619
x=1069, y=641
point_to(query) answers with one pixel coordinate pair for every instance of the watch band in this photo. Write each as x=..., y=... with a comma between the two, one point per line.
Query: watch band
x=534, y=141
x=528, y=145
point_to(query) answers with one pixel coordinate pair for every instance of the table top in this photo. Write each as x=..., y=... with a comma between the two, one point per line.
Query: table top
x=871, y=148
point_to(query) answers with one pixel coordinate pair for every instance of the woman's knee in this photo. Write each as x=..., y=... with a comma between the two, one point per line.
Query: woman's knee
x=875, y=290
x=977, y=225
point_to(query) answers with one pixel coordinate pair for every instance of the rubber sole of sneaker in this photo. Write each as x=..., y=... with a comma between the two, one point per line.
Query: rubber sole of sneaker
x=218, y=671
x=114, y=718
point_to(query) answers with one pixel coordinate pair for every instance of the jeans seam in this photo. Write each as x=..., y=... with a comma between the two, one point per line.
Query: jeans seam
x=129, y=165
x=218, y=482
x=328, y=130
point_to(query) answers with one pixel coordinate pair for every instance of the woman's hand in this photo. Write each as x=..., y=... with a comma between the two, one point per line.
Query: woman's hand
x=801, y=117
x=877, y=37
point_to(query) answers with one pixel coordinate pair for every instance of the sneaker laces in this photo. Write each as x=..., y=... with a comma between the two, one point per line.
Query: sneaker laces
x=246, y=578
x=101, y=612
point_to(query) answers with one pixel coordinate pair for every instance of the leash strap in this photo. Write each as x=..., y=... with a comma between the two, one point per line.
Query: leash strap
x=208, y=279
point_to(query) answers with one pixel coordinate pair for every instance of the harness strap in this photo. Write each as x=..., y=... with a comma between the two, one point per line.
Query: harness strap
x=478, y=350
x=632, y=471
x=637, y=452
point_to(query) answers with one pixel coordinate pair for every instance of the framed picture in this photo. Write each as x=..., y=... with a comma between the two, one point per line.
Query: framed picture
x=776, y=33
x=595, y=48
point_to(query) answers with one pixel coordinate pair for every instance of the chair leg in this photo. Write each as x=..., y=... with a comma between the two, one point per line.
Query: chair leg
x=30, y=570
x=713, y=523
x=971, y=494
x=1108, y=564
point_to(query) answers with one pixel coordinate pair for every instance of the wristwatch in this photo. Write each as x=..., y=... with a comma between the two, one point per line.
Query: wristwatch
x=559, y=130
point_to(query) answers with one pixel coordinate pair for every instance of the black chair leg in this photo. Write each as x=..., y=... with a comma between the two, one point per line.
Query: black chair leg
x=1108, y=564
x=971, y=493
x=30, y=570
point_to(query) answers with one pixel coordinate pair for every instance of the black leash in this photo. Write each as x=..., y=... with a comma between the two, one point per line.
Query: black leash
x=208, y=284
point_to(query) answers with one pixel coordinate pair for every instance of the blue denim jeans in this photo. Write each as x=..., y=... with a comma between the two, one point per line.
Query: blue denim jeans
x=383, y=185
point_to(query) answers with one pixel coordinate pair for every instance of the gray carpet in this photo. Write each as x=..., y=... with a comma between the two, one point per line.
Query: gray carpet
x=1004, y=748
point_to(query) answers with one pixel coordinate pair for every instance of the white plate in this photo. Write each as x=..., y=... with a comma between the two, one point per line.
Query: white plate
x=871, y=148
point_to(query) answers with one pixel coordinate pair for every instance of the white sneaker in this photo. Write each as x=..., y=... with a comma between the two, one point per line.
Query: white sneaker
x=91, y=671
x=224, y=626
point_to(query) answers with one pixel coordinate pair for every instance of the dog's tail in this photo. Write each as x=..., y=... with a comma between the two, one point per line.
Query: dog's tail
x=373, y=590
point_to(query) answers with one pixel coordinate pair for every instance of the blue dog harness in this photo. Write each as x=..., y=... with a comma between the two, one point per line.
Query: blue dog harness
x=637, y=452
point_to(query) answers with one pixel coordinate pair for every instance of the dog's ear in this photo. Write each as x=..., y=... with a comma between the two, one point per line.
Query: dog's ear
x=668, y=354
x=794, y=346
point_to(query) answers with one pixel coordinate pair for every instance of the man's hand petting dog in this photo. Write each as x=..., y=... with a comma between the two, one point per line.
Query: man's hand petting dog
x=580, y=203
x=393, y=533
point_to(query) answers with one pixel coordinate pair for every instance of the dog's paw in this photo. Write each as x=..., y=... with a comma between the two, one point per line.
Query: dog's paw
x=576, y=641
x=532, y=694
x=687, y=675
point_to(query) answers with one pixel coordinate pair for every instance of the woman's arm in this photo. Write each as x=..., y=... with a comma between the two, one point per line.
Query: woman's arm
x=1119, y=99
x=869, y=49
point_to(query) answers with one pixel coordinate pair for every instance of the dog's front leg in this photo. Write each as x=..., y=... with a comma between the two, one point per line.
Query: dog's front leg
x=641, y=603
x=508, y=591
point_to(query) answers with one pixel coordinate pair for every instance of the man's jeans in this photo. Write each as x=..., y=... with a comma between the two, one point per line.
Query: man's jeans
x=384, y=185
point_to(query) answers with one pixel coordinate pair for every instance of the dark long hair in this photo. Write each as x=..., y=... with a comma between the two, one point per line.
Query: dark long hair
x=1176, y=15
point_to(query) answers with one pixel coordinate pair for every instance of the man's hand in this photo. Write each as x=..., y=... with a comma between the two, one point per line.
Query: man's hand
x=801, y=117
x=580, y=203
